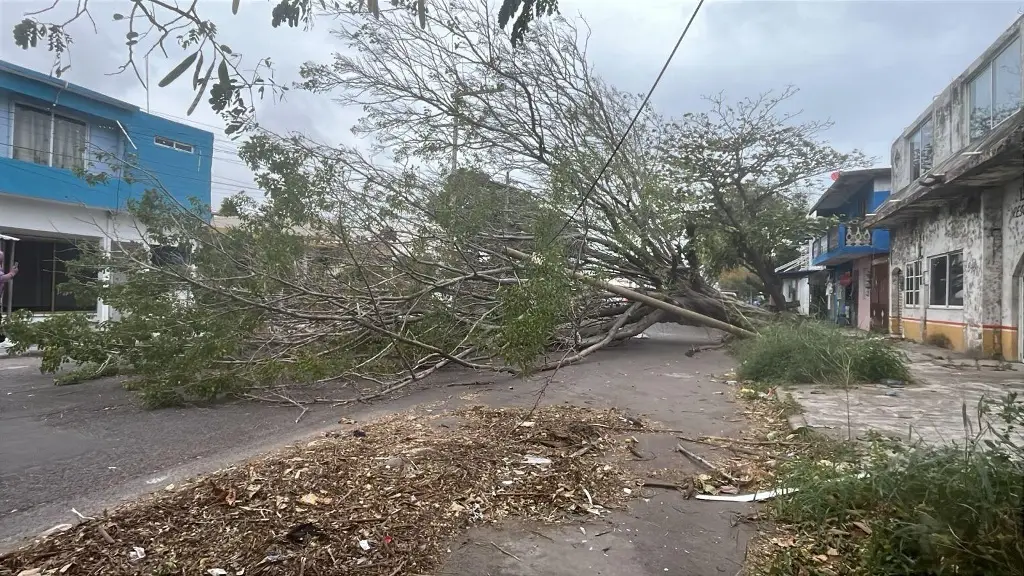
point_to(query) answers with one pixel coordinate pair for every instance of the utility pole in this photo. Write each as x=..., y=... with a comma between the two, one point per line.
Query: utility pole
x=457, y=97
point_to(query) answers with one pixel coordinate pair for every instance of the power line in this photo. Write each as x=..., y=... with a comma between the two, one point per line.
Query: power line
x=636, y=117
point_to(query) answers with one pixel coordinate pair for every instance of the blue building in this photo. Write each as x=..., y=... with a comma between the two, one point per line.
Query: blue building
x=50, y=131
x=855, y=256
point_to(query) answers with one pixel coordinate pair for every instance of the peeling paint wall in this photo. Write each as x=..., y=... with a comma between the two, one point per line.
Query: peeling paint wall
x=948, y=113
x=954, y=227
x=1011, y=318
x=989, y=228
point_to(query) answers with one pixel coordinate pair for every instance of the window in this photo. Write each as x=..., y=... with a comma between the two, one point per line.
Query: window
x=912, y=284
x=49, y=139
x=163, y=255
x=45, y=265
x=995, y=93
x=921, y=151
x=946, y=278
x=168, y=143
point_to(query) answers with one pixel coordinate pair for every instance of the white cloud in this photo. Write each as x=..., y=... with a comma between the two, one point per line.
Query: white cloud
x=871, y=66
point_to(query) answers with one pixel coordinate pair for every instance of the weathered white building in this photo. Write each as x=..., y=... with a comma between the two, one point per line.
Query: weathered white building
x=956, y=214
x=804, y=284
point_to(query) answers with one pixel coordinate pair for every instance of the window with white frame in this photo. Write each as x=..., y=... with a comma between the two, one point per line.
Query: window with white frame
x=921, y=150
x=46, y=138
x=912, y=284
x=994, y=94
x=168, y=143
x=946, y=279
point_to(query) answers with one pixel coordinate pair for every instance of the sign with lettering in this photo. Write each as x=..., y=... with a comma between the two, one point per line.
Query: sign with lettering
x=1017, y=211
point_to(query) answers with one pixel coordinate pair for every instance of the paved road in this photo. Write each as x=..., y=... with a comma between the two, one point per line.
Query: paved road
x=91, y=446
x=88, y=445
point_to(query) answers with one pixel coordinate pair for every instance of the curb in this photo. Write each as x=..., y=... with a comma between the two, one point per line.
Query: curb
x=27, y=354
x=797, y=422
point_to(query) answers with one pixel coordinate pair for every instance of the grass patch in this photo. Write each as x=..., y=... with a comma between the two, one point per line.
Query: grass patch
x=892, y=508
x=811, y=352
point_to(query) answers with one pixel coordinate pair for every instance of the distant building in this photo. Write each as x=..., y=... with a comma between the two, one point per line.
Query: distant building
x=956, y=216
x=49, y=131
x=856, y=257
x=804, y=284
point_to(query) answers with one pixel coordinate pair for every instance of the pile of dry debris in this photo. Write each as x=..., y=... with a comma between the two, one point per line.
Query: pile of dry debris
x=384, y=499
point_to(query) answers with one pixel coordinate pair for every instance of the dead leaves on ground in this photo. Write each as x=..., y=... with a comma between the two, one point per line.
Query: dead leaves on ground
x=386, y=503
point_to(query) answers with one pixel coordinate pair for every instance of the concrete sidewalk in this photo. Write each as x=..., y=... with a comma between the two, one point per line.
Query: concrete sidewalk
x=930, y=408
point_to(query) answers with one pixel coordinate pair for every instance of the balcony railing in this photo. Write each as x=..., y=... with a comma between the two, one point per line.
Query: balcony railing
x=846, y=236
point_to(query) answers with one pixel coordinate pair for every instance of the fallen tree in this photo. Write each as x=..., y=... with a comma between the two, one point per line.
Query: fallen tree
x=377, y=275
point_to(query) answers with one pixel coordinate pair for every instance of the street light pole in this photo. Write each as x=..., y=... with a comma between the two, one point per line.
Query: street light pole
x=457, y=96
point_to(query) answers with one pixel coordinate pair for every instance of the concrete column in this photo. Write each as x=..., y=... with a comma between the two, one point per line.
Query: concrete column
x=102, y=310
x=991, y=271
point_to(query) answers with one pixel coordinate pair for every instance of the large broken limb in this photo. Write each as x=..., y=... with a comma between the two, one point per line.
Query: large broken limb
x=645, y=299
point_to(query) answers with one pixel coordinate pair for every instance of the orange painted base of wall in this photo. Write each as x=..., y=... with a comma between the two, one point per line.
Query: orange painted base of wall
x=998, y=341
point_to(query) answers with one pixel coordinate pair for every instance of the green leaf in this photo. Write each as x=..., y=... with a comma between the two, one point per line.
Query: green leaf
x=201, y=91
x=179, y=69
x=131, y=35
x=234, y=6
x=118, y=16
x=223, y=73
x=225, y=48
x=199, y=68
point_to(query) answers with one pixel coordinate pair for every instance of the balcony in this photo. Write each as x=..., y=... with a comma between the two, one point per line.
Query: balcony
x=847, y=242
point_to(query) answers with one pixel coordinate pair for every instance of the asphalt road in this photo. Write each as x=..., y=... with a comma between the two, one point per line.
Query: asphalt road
x=91, y=445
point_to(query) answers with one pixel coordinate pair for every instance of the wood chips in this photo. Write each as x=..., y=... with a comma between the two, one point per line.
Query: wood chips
x=384, y=499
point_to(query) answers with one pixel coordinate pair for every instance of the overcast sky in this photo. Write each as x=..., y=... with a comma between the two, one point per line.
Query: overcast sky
x=871, y=66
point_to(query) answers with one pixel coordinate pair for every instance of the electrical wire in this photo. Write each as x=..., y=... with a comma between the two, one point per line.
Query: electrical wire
x=632, y=122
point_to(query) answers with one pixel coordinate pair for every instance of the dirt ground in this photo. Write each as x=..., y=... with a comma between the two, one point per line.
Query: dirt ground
x=661, y=533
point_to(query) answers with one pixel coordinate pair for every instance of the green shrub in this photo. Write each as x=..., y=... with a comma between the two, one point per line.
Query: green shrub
x=809, y=352
x=917, y=509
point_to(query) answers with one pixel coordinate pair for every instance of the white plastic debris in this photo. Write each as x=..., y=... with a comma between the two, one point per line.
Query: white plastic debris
x=753, y=497
x=137, y=553
x=217, y=572
x=55, y=529
x=537, y=460
x=756, y=496
x=364, y=544
x=527, y=424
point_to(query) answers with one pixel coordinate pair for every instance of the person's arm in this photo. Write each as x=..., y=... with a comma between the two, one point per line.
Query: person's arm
x=9, y=275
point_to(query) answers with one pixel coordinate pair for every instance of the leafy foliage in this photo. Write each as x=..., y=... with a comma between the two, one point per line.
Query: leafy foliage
x=532, y=310
x=748, y=168
x=741, y=281
x=812, y=352
x=230, y=206
x=235, y=88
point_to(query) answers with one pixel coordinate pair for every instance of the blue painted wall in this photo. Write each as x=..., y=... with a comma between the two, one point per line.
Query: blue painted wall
x=864, y=200
x=182, y=174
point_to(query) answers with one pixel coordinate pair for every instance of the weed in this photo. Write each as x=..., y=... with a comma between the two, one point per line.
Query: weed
x=908, y=509
x=807, y=352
